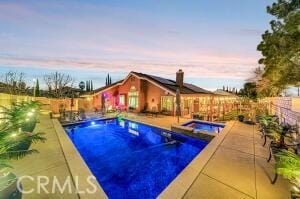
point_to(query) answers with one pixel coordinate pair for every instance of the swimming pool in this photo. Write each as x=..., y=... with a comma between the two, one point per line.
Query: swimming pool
x=132, y=160
x=204, y=126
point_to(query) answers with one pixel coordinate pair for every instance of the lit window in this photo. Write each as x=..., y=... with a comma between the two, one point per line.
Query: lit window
x=122, y=100
x=167, y=103
x=133, y=98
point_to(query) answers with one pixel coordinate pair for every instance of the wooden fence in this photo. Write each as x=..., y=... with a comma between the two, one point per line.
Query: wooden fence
x=48, y=104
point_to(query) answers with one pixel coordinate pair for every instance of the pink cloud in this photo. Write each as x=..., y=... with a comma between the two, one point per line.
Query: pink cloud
x=208, y=68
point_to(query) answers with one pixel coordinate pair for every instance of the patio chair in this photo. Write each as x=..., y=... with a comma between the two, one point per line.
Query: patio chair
x=82, y=116
x=154, y=112
x=145, y=109
x=165, y=112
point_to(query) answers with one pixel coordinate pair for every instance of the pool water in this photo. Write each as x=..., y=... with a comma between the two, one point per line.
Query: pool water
x=133, y=160
x=203, y=126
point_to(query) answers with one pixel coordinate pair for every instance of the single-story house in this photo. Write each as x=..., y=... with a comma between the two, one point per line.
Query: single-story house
x=140, y=92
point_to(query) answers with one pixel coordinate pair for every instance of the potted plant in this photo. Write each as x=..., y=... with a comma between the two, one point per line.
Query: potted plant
x=131, y=108
x=21, y=119
x=22, y=115
x=288, y=165
x=10, y=143
x=241, y=118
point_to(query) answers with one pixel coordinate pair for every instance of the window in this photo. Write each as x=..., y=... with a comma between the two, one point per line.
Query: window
x=122, y=100
x=133, y=100
x=167, y=103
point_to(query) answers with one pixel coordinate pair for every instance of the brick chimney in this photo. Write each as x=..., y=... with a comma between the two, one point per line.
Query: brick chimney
x=179, y=79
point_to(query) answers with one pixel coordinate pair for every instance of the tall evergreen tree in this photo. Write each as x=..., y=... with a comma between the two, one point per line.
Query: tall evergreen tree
x=92, y=85
x=108, y=80
x=37, y=89
x=87, y=86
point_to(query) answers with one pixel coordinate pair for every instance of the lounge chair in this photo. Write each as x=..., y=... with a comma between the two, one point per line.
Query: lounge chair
x=82, y=116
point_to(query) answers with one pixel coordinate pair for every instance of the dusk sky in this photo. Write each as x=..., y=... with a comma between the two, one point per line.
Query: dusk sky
x=214, y=42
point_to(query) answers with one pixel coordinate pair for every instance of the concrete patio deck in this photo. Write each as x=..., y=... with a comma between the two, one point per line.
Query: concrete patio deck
x=237, y=169
x=50, y=162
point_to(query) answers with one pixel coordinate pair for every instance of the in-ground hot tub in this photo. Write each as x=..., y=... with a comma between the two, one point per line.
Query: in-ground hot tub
x=208, y=127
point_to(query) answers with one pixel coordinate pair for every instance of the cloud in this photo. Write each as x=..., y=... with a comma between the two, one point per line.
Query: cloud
x=208, y=68
x=113, y=39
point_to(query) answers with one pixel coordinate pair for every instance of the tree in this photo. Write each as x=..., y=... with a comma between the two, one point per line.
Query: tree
x=108, y=80
x=249, y=91
x=37, y=89
x=280, y=48
x=92, y=85
x=87, y=86
x=59, y=85
x=14, y=83
x=82, y=85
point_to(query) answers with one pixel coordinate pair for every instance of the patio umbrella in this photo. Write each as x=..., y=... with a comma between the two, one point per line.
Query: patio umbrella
x=178, y=109
x=102, y=102
x=72, y=104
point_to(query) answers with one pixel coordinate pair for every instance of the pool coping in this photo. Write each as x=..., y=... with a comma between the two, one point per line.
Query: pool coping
x=181, y=184
x=176, y=189
x=77, y=165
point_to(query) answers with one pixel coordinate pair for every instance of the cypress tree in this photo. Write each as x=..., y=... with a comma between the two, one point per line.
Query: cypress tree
x=87, y=86
x=92, y=85
x=37, y=88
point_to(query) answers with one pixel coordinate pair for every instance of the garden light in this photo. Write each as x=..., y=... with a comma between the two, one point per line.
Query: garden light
x=13, y=135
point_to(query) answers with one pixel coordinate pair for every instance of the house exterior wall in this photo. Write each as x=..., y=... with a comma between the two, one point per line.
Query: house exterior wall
x=148, y=93
x=153, y=97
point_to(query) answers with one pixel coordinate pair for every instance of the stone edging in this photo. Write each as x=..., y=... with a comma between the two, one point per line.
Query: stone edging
x=180, y=185
x=77, y=165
